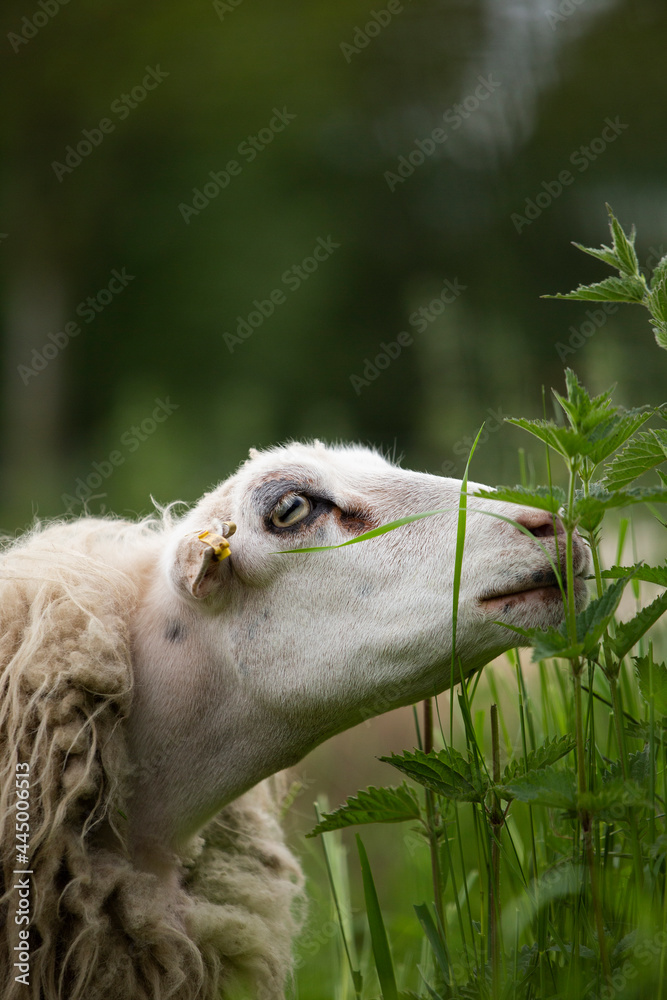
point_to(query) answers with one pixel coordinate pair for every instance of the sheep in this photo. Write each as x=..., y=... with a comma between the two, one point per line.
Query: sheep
x=157, y=676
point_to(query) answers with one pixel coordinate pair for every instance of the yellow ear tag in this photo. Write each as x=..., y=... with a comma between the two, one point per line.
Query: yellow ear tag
x=219, y=544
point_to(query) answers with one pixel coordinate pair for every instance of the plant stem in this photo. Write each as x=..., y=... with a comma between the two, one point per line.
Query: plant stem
x=496, y=826
x=431, y=818
x=585, y=820
x=577, y=666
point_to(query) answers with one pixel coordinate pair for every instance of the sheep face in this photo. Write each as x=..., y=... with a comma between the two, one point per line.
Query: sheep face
x=331, y=632
x=246, y=661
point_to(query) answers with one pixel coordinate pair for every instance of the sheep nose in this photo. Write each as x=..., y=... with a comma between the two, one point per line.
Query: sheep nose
x=540, y=523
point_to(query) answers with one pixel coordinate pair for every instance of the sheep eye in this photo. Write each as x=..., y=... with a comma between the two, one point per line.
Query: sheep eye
x=290, y=510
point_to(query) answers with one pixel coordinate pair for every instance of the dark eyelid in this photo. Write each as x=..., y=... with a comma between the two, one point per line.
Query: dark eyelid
x=319, y=505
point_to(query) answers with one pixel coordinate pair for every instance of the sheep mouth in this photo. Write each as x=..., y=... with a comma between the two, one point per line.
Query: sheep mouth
x=541, y=588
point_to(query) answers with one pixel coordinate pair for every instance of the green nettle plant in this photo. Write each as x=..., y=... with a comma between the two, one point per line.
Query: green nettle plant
x=569, y=840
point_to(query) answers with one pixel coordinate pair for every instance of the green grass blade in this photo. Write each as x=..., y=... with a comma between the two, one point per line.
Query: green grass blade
x=381, y=952
x=357, y=978
x=437, y=944
x=373, y=533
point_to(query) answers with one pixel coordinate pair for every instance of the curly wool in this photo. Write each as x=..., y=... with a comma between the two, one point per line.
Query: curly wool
x=99, y=927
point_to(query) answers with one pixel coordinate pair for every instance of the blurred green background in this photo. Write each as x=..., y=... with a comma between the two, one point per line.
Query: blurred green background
x=362, y=88
x=117, y=116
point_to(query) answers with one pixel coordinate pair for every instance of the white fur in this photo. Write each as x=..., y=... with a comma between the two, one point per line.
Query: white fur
x=150, y=686
x=287, y=650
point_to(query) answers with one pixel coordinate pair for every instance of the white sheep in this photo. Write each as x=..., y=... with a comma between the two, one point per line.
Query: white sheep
x=149, y=685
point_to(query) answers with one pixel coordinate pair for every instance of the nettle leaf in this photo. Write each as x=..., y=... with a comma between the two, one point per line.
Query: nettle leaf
x=443, y=771
x=647, y=450
x=657, y=674
x=659, y=275
x=657, y=301
x=544, y=787
x=562, y=439
x=625, y=289
x=623, y=246
x=594, y=619
x=609, y=435
x=543, y=756
x=642, y=730
x=629, y=633
x=583, y=410
x=613, y=793
x=639, y=768
x=550, y=643
x=591, y=624
x=372, y=805
x=660, y=333
x=658, y=294
x=589, y=510
x=649, y=574
x=544, y=497
x=605, y=253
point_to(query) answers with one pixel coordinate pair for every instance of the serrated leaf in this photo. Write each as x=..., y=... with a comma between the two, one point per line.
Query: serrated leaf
x=545, y=787
x=372, y=805
x=608, y=290
x=612, y=793
x=623, y=246
x=638, y=768
x=548, y=643
x=604, y=253
x=591, y=624
x=610, y=435
x=544, y=756
x=591, y=509
x=657, y=673
x=562, y=439
x=543, y=497
x=443, y=771
x=629, y=633
x=657, y=301
x=642, y=730
x=640, y=571
x=594, y=619
x=647, y=450
x=659, y=272
x=660, y=333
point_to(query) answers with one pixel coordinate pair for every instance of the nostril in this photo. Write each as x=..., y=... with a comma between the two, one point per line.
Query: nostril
x=554, y=527
x=541, y=523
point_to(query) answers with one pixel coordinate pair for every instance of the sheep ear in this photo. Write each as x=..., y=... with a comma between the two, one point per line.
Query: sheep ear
x=195, y=567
